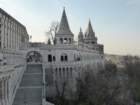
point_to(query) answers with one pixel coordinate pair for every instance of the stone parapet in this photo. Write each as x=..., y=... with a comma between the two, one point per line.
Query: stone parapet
x=10, y=76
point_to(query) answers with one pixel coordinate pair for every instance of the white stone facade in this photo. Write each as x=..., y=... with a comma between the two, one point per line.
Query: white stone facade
x=13, y=35
x=67, y=60
x=62, y=61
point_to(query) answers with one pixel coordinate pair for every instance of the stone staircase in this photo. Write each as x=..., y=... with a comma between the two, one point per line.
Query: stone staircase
x=30, y=89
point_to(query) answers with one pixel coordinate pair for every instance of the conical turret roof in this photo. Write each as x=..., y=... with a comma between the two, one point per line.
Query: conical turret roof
x=89, y=32
x=64, y=28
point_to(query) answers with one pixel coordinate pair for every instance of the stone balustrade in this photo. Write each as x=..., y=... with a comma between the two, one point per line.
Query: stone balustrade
x=10, y=76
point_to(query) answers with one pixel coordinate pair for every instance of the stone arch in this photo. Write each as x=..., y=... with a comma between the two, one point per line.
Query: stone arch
x=34, y=57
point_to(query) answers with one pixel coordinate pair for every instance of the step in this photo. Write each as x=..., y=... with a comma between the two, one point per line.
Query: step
x=30, y=89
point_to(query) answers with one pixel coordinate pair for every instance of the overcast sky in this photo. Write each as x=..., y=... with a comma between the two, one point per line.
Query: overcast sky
x=115, y=22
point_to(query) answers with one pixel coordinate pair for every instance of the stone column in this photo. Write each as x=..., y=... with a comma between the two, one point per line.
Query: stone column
x=7, y=32
x=4, y=42
x=3, y=103
x=4, y=92
x=10, y=33
x=7, y=89
x=0, y=91
x=4, y=95
x=13, y=35
x=12, y=28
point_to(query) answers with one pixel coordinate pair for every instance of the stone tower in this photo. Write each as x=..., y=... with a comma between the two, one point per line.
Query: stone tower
x=64, y=34
x=80, y=36
x=90, y=37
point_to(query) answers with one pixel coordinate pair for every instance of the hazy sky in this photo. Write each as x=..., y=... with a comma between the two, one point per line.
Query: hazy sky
x=115, y=22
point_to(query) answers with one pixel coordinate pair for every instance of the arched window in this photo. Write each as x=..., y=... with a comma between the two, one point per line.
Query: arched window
x=71, y=72
x=61, y=40
x=65, y=40
x=63, y=72
x=67, y=72
x=64, y=57
x=93, y=42
x=54, y=58
x=60, y=72
x=49, y=58
x=70, y=40
x=0, y=90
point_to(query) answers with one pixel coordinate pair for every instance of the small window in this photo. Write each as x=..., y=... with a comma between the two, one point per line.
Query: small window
x=70, y=40
x=93, y=42
x=63, y=72
x=61, y=40
x=62, y=59
x=49, y=58
x=60, y=72
x=66, y=58
x=67, y=72
x=0, y=44
x=55, y=41
x=70, y=72
x=65, y=40
x=0, y=90
x=54, y=58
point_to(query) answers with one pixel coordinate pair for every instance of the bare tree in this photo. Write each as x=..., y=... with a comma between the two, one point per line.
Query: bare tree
x=132, y=69
x=49, y=42
x=52, y=31
x=61, y=89
x=105, y=88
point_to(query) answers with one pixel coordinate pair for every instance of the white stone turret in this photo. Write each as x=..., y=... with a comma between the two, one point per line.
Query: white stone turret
x=64, y=34
x=90, y=37
x=80, y=36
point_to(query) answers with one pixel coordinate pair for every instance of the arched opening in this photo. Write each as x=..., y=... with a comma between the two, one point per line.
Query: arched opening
x=54, y=59
x=49, y=58
x=61, y=40
x=64, y=57
x=33, y=57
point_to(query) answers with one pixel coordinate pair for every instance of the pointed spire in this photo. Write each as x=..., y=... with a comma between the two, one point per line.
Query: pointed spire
x=80, y=33
x=80, y=29
x=80, y=36
x=89, y=32
x=64, y=26
x=90, y=35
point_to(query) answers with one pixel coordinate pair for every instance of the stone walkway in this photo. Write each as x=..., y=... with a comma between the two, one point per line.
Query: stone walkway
x=30, y=89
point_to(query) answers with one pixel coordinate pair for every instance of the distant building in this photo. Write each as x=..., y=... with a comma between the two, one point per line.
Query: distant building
x=13, y=35
x=121, y=60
